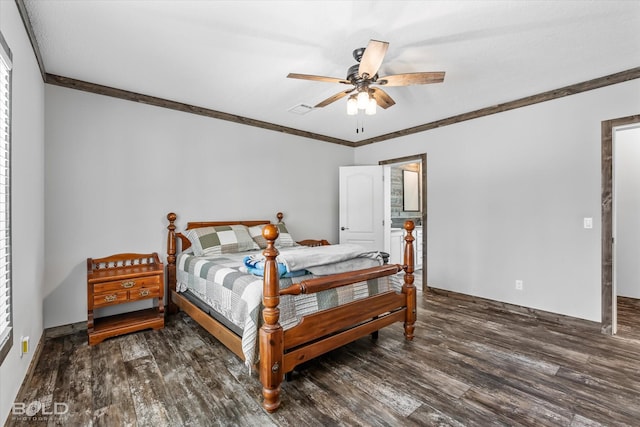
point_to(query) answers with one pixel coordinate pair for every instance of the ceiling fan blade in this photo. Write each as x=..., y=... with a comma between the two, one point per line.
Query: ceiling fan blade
x=382, y=98
x=334, y=98
x=318, y=78
x=411, y=79
x=372, y=58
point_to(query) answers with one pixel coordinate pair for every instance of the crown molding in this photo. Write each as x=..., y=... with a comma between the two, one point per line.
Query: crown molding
x=187, y=108
x=599, y=82
x=573, y=89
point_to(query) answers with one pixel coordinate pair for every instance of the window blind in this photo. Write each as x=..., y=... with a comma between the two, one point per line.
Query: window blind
x=6, y=327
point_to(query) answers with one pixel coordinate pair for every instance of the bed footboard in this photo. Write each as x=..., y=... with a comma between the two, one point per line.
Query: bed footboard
x=329, y=329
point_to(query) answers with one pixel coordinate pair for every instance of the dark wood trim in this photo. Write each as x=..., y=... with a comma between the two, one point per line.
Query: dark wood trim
x=611, y=79
x=607, y=218
x=67, y=82
x=32, y=37
x=596, y=83
x=187, y=108
x=423, y=159
x=405, y=159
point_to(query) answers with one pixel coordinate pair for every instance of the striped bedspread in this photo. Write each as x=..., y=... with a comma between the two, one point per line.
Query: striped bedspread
x=223, y=283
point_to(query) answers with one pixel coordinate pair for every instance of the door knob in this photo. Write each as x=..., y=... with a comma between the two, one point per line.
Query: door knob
x=344, y=228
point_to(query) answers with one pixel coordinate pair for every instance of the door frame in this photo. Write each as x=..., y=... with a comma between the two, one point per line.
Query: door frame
x=422, y=158
x=372, y=238
x=608, y=297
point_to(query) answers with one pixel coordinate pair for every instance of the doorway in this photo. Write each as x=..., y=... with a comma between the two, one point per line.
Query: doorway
x=394, y=215
x=609, y=292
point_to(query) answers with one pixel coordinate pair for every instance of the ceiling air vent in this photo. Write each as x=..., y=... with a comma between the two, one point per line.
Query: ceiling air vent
x=301, y=109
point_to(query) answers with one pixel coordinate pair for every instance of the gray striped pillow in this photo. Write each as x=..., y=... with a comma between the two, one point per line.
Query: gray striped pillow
x=222, y=239
x=284, y=239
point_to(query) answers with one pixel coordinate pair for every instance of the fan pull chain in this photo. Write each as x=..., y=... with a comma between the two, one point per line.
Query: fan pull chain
x=359, y=124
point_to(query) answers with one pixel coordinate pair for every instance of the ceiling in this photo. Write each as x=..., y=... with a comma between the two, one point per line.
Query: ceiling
x=234, y=56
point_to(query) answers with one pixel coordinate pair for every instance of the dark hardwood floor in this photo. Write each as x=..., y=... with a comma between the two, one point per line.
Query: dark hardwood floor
x=629, y=318
x=472, y=363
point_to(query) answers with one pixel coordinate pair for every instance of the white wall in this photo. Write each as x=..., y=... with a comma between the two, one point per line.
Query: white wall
x=115, y=168
x=27, y=197
x=627, y=211
x=507, y=195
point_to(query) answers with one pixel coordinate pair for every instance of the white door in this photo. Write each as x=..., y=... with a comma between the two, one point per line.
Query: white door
x=361, y=206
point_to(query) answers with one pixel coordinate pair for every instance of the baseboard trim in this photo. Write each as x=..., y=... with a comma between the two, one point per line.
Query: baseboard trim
x=34, y=361
x=546, y=316
x=61, y=331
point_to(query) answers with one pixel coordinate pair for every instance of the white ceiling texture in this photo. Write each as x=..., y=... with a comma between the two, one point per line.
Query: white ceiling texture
x=234, y=56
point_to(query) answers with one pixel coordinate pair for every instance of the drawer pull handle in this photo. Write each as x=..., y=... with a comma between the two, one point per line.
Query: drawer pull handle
x=144, y=292
x=128, y=285
x=110, y=298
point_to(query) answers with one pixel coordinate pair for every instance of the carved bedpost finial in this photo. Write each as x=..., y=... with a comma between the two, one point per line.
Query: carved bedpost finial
x=280, y=215
x=270, y=232
x=271, y=333
x=409, y=225
x=408, y=287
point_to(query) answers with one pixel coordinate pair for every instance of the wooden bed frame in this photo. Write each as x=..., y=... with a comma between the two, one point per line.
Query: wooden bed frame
x=281, y=351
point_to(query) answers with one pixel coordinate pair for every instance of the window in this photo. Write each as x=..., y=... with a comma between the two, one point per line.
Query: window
x=6, y=319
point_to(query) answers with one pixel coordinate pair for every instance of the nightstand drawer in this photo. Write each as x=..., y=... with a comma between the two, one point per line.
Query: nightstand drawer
x=110, y=298
x=129, y=284
x=144, y=293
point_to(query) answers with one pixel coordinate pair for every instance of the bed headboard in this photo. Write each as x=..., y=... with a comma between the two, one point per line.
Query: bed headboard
x=185, y=243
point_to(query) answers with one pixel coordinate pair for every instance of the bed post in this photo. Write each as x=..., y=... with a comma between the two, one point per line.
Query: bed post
x=271, y=334
x=171, y=262
x=408, y=287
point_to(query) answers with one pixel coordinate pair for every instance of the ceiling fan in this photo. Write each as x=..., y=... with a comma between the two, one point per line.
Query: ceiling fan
x=363, y=77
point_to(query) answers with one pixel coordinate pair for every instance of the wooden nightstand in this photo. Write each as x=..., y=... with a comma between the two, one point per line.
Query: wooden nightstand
x=120, y=279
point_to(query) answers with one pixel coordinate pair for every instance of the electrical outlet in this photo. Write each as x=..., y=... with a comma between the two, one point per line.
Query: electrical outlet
x=587, y=223
x=24, y=345
x=519, y=285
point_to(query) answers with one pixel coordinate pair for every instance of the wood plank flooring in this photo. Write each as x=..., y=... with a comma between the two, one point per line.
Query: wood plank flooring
x=628, y=317
x=472, y=363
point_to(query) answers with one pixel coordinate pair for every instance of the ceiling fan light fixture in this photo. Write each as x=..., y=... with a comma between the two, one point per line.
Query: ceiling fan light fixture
x=363, y=100
x=352, y=105
x=371, y=106
x=363, y=79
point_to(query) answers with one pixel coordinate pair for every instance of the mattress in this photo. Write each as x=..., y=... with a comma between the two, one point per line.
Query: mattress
x=222, y=286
